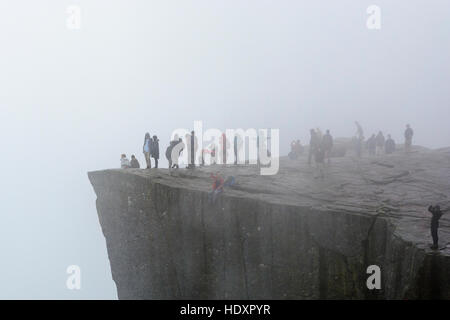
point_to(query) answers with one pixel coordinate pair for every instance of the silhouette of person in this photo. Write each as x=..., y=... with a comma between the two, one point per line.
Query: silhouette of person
x=389, y=146
x=134, y=163
x=437, y=213
x=313, y=144
x=379, y=143
x=154, y=150
x=327, y=145
x=146, y=149
x=408, y=138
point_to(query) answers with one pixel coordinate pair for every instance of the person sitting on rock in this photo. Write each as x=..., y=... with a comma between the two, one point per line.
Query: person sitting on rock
x=389, y=146
x=134, y=162
x=437, y=213
x=124, y=162
x=217, y=187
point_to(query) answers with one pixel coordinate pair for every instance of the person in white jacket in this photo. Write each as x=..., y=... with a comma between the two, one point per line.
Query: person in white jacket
x=124, y=162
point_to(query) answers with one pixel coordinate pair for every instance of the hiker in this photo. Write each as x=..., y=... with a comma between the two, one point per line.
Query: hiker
x=217, y=187
x=169, y=150
x=146, y=149
x=192, y=146
x=371, y=144
x=389, y=146
x=176, y=152
x=313, y=145
x=327, y=145
x=154, y=150
x=124, y=162
x=213, y=153
x=134, y=163
x=379, y=143
x=319, y=157
x=359, y=131
x=437, y=213
x=224, y=145
x=408, y=138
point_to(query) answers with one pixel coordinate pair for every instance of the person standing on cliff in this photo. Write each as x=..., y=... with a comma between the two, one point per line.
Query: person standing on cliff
x=372, y=145
x=146, y=149
x=193, y=146
x=379, y=143
x=327, y=145
x=389, y=146
x=313, y=145
x=408, y=138
x=154, y=150
x=437, y=213
x=359, y=131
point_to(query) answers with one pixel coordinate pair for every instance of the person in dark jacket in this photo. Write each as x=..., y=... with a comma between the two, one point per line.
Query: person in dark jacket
x=154, y=151
x=134, y=162
x=408, y=138
x=437, y=213
x=192, y=148
x=327, y=145
x=379, y=143
x=389, y=146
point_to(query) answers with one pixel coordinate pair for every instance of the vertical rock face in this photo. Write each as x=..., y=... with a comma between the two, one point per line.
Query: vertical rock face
x=166, y=241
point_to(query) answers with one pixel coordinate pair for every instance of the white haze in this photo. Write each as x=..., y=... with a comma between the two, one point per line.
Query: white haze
x=73, y=101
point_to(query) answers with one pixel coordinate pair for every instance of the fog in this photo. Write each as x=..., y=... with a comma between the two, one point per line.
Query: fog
x=73, y=100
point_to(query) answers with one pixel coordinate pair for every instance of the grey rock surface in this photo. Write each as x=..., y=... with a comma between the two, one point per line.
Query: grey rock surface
x=286, y=236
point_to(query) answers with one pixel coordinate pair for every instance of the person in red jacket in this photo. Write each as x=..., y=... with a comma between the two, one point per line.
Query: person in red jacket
x=217, y=187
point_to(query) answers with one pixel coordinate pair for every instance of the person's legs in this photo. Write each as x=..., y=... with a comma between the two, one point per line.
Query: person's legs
x=147, y=160
x=434, y=235
x=156, y=163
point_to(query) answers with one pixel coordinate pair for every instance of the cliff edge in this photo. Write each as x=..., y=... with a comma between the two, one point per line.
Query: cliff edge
x=287, y=236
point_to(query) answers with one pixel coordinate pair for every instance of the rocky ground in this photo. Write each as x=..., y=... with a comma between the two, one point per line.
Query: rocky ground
x=399, y=187
x=292, y=235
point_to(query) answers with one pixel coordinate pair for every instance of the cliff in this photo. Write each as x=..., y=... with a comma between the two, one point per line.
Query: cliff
x=287, y=236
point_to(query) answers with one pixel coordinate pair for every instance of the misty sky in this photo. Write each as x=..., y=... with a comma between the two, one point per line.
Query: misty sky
x=74, y=100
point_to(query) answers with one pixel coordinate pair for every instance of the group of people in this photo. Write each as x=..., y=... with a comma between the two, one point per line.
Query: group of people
x=150, y=150
x=296, y=149
x=378, y=144
x=320, y=147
